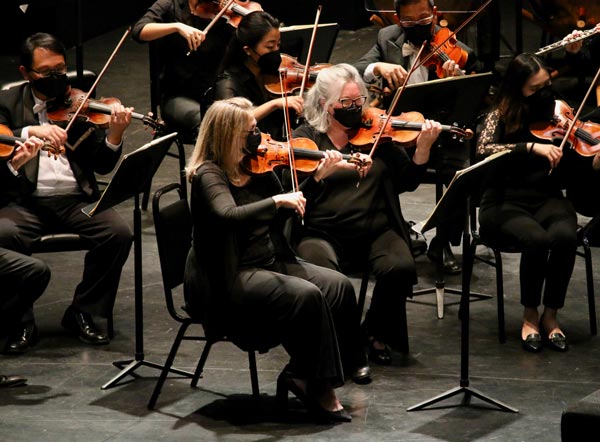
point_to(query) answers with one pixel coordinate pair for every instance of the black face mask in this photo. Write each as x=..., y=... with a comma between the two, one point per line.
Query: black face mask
x=253, y=142
x=269, y=63
x=418, y=34
x=52, y=86
x=540, y=105
x=348, y=117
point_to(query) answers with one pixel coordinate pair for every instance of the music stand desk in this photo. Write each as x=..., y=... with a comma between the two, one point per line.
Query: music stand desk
x=464, y=183
x=453, y=101
x=132, y=176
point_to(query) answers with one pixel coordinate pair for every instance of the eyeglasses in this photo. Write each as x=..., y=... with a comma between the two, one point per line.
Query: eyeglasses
x=48, y=72
x=255, y=131
x=347, y=102
x=421, y=21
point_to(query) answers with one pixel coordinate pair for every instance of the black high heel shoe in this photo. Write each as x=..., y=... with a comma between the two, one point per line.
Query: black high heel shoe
x=286, y=383
x=556, y=341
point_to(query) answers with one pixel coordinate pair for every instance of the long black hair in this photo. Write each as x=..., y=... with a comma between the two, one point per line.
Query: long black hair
x=250, y=31
x=510, y=97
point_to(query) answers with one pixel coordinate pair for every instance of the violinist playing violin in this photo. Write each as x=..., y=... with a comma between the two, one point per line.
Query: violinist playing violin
x=522, y=201
x=42, y=194
x=245, y=279
x=387, y=63
x=347, y=226
x=188, y=58
x=253, y=57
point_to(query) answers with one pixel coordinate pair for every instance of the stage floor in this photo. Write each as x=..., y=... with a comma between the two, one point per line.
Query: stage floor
x=63, y=400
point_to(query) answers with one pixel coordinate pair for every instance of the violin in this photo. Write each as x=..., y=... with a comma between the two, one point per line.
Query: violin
x=233, y=14
x=272, y=154
x=403, y=129
x=8, y=144
x=94, y=111
x=584, y=138
x=445, y=47
x=294, y=72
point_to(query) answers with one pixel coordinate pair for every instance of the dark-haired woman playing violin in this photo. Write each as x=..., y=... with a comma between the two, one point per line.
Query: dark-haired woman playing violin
x=243, y=275
x=347, y=228
x=188, y=58
x=252, y=57
x=522, y=203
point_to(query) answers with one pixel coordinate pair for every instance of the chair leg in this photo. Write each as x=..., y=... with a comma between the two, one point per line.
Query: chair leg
x=362, y=296
x=201, y=363
x=253, y=374
x=500, y=297
x=589, y=273
x=181, y=157
x=168, y=365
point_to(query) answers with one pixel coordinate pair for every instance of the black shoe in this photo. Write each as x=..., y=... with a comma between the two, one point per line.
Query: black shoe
x=7, y=381
x=532, y=343
x=22, y=340
x=286, y=383
x=556, y=341
x=451, y=265
x=379, y=356
x=439, y=251
x=362, y=375
x=83, y=324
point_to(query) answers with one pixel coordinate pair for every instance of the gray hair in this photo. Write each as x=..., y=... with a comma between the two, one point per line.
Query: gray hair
x=326, y=91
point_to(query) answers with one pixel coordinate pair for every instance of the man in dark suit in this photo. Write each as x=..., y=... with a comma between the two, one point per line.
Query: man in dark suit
x=386, y=65
x=40, y=193
x=23, y=280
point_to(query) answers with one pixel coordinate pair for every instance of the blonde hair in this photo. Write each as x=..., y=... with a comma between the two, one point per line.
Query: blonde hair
x=220, y=138
x=326, y=91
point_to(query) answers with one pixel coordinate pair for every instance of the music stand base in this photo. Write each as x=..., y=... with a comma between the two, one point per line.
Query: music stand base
x=440, y=291
x=468, y=392
x=129, y=367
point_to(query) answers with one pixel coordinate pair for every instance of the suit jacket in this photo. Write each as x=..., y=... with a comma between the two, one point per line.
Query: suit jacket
x=90, y=157
x=388, y=49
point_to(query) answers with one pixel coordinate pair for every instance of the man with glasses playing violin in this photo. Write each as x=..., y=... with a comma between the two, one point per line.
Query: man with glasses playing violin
x=44, y=193
x=387, y=64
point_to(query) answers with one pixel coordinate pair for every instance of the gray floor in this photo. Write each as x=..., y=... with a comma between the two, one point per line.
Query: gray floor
x=63, y=400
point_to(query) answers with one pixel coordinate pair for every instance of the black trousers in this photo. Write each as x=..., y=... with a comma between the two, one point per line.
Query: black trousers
x=111, y=238
x=308, y=309
x=183, y=115
x=392, y=263
x=547, y=236
x=23, y=280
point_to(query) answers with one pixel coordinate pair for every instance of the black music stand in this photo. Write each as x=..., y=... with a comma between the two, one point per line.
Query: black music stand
x=134, y=172
x=295, y=41
x=453, y=101
x=459, y=191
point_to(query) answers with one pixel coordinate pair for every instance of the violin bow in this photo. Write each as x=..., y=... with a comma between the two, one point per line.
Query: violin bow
x=88, y=93
x=397, y=96
x=288, y=134
x=435, y=49
x=576, y=117
x=288, y=131
x=310, y=49
x=215, y=19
